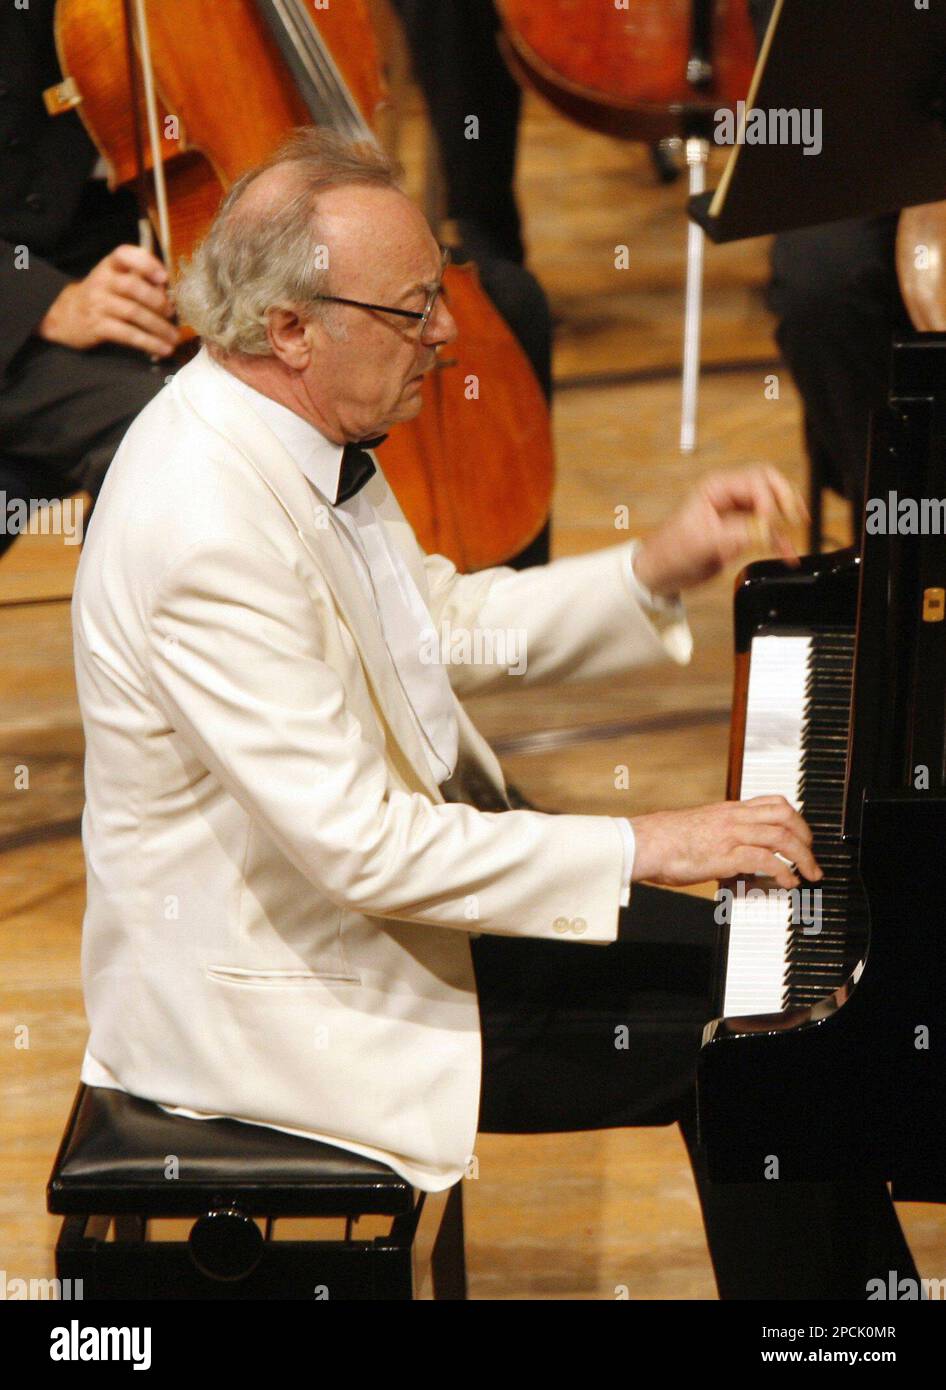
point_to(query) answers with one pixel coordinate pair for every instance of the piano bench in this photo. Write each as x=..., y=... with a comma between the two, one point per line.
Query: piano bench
x=125, y=1166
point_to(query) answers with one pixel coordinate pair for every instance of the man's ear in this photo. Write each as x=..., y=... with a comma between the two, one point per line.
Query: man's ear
x=290, y=338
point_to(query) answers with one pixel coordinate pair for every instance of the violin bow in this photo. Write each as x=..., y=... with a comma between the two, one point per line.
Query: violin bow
x=136, y=23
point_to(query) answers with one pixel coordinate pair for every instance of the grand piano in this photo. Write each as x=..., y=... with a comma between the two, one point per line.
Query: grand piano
x=828, y=1055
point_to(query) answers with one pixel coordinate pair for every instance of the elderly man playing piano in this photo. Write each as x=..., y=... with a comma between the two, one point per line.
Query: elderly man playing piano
x=356, y=952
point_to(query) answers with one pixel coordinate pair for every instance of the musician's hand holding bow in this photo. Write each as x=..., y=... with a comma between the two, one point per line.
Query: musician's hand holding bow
x=763, y=836
x=724, y=517
x=122, y=300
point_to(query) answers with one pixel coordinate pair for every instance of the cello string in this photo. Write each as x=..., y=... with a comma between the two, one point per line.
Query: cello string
x=332, y=82
x=329, y=87
x=347, y=117
x=317, y=97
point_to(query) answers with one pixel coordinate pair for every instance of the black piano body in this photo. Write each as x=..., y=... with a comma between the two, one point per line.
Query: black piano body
x=847, y=1078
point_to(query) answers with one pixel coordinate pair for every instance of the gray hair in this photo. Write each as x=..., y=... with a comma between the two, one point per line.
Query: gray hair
x=251, y=262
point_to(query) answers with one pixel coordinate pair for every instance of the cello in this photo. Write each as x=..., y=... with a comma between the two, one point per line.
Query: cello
x=641, y=70
x=637, y=69
x=217, y=88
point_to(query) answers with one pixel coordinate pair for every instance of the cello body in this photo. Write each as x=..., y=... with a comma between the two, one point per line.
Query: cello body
x=224, y=98
x=640, y=70
x=473, y=472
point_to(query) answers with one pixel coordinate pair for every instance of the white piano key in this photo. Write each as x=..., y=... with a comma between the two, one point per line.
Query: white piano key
x=760, y=931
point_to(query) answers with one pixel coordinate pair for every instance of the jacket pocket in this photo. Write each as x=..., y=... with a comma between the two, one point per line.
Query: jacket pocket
x=267, y=979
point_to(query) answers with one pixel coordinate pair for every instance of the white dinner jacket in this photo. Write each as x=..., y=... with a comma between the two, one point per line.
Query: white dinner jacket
x=280, y=900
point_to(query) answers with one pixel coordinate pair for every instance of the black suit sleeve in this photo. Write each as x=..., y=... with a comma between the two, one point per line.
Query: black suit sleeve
x=25, y=295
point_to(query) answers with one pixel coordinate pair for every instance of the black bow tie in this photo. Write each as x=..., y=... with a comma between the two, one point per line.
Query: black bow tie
x=356, y=467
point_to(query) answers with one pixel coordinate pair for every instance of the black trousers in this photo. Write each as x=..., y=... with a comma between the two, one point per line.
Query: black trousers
x=837, y=303
x=462, y=73
x=62, y=416
x=551, y=1015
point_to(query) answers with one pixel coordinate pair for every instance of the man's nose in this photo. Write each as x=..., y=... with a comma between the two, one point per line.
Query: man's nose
x=441, y=327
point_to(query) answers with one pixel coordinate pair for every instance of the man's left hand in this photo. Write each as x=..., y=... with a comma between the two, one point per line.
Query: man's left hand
x=726, y=516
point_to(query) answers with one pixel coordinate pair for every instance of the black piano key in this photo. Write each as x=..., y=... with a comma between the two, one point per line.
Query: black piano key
x=817, y=964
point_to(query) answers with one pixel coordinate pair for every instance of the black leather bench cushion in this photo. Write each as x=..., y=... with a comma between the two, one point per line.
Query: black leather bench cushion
x=116, y=1150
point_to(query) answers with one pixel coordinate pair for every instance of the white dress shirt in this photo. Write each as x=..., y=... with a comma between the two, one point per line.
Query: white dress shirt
x=402, y=614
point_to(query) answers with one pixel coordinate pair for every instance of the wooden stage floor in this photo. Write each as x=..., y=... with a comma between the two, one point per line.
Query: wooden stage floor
x=548, y=1217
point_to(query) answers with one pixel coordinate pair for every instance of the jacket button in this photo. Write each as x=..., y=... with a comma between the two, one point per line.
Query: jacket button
x=35, y=202
x=14, y=142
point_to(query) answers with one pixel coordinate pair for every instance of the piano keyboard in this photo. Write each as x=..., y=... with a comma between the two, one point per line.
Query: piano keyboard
x=797, y=713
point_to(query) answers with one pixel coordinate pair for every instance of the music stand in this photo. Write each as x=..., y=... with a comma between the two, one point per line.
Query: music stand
x=876, y=70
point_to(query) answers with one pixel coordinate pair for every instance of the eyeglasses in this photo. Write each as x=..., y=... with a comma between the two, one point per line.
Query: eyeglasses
x=422, y=315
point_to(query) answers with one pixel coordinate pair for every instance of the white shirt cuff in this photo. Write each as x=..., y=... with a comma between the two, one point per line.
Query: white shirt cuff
x=650, y=602
x=630, y=847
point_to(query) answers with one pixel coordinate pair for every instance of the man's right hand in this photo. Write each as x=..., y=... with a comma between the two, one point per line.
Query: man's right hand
x=122, y=300
x=731, y=839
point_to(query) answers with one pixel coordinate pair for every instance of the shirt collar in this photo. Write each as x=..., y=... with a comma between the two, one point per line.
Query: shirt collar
x=317, y=457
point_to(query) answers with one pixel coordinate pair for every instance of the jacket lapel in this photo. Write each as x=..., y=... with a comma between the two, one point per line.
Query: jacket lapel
x=226, y=412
